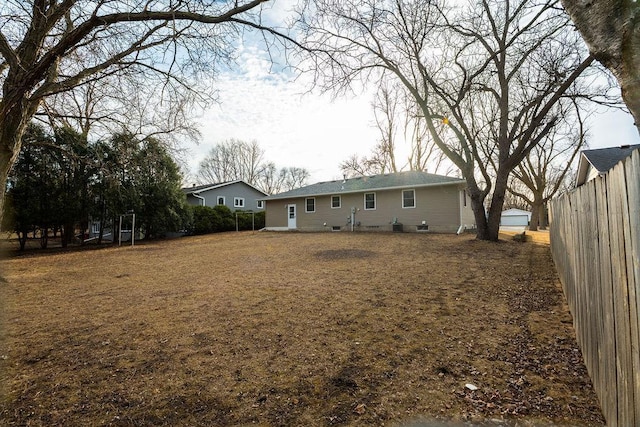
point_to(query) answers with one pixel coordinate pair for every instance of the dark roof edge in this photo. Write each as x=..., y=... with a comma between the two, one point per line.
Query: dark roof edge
x=367, y=190
x=223, y=184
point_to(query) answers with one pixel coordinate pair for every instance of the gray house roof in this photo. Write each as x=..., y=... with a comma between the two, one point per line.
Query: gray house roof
x=197, y=189
x=605, y=158
x=370, y=183
x=602, y=159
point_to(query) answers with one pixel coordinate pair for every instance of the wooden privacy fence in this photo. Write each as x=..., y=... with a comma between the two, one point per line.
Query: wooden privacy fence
x=595, y=241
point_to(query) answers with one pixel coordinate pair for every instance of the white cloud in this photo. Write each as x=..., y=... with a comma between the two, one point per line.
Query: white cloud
x=295, y=128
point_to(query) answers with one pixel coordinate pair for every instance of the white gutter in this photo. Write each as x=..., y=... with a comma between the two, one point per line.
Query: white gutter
x=204, y=203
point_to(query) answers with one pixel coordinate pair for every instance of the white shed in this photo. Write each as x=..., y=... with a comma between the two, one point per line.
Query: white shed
x=515, y=217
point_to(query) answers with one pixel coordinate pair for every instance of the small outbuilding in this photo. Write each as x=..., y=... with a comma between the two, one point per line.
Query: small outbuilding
x=515, y=218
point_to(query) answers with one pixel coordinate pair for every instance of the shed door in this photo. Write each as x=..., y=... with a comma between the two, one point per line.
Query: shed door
x=291, y=212
x=515, y=220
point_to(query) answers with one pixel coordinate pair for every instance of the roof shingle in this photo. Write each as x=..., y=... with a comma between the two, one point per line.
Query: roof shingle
x=604, y=159
x=369, y=183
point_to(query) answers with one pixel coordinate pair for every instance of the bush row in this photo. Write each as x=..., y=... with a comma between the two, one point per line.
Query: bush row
x=220, y=218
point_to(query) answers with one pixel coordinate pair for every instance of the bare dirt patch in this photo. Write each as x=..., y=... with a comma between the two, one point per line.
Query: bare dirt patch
x=291, y=329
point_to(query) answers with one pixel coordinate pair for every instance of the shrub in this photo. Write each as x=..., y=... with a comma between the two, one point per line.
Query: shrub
x=205, y=220
x=227, y=218
x=245, y=219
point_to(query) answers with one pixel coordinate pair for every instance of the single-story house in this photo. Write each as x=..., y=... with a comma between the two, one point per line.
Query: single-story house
x=404, y=201
x=236, y=195
x=515, y=217
x=599, y=161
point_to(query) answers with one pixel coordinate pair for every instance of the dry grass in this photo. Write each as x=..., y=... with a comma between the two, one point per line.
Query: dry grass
x=291, y=329
x=541, y=236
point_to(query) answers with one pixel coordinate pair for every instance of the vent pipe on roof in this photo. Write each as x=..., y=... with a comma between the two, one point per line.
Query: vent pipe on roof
x=625, y=146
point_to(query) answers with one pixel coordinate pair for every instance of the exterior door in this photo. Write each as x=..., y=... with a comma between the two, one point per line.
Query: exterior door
x=291, y=215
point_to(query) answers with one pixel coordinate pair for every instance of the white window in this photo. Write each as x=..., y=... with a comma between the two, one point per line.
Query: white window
x=408, y=198
x=336, y=202
x=238, y=202
x=220, y=200
x=260, y=204
x=95, y=228
x=310, y=204
x=369, y=201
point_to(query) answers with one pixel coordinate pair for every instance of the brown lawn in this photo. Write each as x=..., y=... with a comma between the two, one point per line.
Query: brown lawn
x=291, y=329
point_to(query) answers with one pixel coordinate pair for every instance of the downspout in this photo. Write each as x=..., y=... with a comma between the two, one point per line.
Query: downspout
x=199, y=197
x=353, y=218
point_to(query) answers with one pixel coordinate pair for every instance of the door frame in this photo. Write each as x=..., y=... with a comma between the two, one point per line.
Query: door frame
x=292, y=221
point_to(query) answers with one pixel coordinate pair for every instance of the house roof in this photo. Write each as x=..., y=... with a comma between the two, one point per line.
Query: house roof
x=197, y=189
x=370, y=183
x=515, y=212
x=602, y=159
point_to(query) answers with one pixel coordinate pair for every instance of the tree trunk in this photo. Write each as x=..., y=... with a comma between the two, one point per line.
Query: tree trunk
x=544, y=217
x=13, y=124
x=497, y=202
x=101, y=231
x=479, y=213
x=5, y=167
x=536, y=207
x=22, y=238
x=608, y=27
x=44, y=237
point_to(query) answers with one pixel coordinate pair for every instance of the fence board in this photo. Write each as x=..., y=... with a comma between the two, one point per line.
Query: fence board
x=632, y=171
x=594, y=293
x=595, y=243
x=617, y=202
x=607, y=356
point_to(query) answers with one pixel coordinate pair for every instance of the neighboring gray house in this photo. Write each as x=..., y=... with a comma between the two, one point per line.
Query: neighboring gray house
x=236, y=195
x=598, y=161
x=404, y=201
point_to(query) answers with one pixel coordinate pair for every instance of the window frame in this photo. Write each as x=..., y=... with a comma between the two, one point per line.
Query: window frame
x=413, y=198
x=224, y=201
x=306, y=204
x=238, y=202
x=259, y=204
x=374, y=202
x=339, y=201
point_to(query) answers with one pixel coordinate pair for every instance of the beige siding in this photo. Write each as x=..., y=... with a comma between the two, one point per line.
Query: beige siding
x=439, y=207
x=276, y=213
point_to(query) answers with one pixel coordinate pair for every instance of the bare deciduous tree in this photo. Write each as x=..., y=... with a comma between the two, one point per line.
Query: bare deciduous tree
x=234, y=160
x=49, y=47
x=271, y=182
x=487, y=76
x=393, y=110
x=293, y=177
x=547, y=166
x=100, y=108
x=385, y=111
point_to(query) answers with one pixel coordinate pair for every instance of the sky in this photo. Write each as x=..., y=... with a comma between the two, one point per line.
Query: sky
x=312, y=130
x=294, y=127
